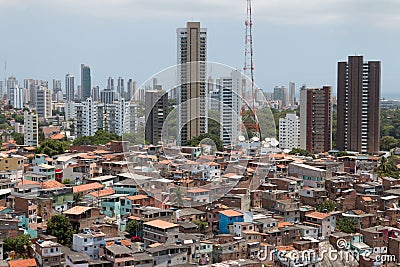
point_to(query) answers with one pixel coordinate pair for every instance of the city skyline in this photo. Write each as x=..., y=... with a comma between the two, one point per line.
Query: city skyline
x=290, y=44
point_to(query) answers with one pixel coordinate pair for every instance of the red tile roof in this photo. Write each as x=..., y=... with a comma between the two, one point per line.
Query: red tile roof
x=52, y=184
x=57, y=136
x=160, y=224
x=283, y=224
x=318, y=215
x=137, y=197
x=23, y=263
x=231, y=213
x=27, y=182
x=103, y=193
x=367, y=199
x=77, y=210
x=87, y=187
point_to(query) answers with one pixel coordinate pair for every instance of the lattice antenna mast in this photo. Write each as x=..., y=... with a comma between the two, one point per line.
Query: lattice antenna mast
x=248, y=53
x=249, y=113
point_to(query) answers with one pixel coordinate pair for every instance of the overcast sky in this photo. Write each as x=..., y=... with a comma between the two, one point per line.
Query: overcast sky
x=294, y=40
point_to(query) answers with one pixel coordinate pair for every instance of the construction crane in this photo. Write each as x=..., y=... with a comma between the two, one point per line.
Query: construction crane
x=248, y=112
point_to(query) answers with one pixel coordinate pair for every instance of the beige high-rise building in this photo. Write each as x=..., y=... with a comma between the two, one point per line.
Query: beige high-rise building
x=43, y=102
x=31, y=132
x=192, y=100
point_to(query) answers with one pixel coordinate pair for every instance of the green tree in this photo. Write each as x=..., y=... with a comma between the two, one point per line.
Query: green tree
x=19, y=118
x=52, y=147
x=342, y=154
x=66, y=181
x=3, y=118
x=327, y=205
x=133, y=227
x=347, y=225
x=18, y=244
x=60, y=227
x=389, y=142
x=202, y=225
x=213, y=122
x=4, y=126
x=18, y=137
x=78, y=197
x=101, y=137
x=300, y=152
x=134, y=138
x=196, y=140
x=387, y=167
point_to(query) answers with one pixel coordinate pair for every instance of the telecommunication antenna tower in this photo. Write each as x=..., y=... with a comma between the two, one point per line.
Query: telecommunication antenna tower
x=249, y=116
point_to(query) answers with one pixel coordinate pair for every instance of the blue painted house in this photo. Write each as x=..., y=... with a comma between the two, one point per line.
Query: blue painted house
x=228, y=217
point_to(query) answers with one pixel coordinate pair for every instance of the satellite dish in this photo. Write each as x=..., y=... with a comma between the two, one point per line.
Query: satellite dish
x=241, y=138
x=255, y=139
x=274, y=142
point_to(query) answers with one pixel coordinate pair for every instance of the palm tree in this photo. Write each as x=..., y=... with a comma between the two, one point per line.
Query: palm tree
x=78, y=197
x=178, y=196
x=387, y=167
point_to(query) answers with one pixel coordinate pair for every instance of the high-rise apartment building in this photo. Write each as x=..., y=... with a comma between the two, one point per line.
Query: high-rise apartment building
x=192, y=100
x=96, y=93
x=43, y=102
x=86, y=82
x=11, y=83
x=156, y=111
x=57, y=91
x=86, y=118
x=316, y=119
x=292, y=93
x=31, y=130
x=110, y=83
x=231, y=89
x=32, y=86
x=358, y=104
x=133, y=120
x=118, y=117
x=108, y=96
x=70, y=87
x=121, y=87
x=214, y=100
x=15, y=93
x=289, y=131
x=70, y=110
x=281, y=94
x=131, y=90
